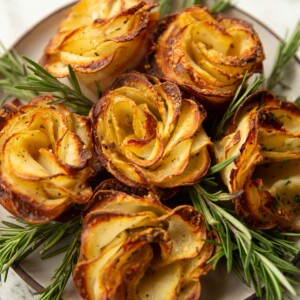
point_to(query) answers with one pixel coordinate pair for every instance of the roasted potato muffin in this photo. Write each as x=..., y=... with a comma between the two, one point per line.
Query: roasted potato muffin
x=44, y=152
x=147, y=134
x=135, y=248
x=265, y=134
x=207, y=55
x=100, y=39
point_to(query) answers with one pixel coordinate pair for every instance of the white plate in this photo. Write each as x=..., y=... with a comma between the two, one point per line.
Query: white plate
x=218, y=285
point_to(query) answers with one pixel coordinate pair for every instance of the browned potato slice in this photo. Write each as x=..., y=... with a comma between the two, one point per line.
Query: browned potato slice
x=265, y=134
x=45, y=152
x=135, y=248
x=147, y=134
x=206, y=55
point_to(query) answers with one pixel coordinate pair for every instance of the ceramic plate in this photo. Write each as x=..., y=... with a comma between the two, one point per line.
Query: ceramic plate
x=218, y=285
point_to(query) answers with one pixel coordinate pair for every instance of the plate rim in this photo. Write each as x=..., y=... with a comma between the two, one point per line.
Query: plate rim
x=28, y=279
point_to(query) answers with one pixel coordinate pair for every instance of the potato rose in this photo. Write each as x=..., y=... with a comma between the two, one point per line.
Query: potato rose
x=44, y=152
x=207, y=55
x=265, y=134
x=100, y=39
x=147, y=134
x=135, y=248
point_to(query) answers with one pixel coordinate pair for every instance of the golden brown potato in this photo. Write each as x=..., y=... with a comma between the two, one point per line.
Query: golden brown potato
x=100, y=39
x=85, y=13
x=44, y=153
x=147, y=134
x=265, y=134
x=135, y=248
x=207, y=55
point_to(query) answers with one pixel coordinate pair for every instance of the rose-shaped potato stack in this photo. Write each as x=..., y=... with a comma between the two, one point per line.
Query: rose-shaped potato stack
x=135, y=248
x=100, y=39
x=265, y=134
x=44, y=153
x=86, y=12
x=207, y=55
x=147, y=134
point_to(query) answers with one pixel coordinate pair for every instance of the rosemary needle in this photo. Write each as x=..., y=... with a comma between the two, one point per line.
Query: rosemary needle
x=13, y=71
x=238, y=98
x=285, y=53
x=43, y=82
x=166, y=7
x=221, y=5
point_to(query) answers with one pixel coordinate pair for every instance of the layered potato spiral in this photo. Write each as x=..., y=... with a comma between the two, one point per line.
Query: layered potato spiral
x=44, y=152
x=265, y=134
x=207, y=55
x=135, y=248
x=147, y=134
x=100, y=39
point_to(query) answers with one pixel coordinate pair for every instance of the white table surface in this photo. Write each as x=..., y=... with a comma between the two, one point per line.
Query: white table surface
x=18, y=16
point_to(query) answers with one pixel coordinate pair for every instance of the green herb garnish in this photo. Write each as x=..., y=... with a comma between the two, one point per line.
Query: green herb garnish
x=285, y=53
x=18, y=239
x=62, y=274
x=42, y=81
x=221, y=6
x=13, y=71
x=23, y=81
x=165, y=6
x=262, y=257
x=238, y=98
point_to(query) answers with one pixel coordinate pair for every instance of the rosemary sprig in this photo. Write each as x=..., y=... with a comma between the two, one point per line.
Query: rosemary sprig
x=297, y=100
x=188, y=3
x=63, y=273
x=166, y=7
x=42, y=81
x=261, y=256
x=19, y=238
x=238, y=98
x=221, y=5
x=286, y=51
x=13, y=71
x=17, y=79
x=220, y=166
